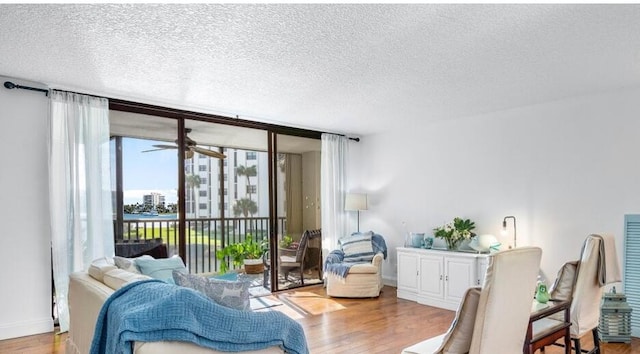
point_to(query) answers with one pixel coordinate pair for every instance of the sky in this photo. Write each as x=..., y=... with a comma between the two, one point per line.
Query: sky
x=146, y=172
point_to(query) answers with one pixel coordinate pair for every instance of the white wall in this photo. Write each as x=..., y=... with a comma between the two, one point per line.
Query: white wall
x=565, y=169
x=25, y=264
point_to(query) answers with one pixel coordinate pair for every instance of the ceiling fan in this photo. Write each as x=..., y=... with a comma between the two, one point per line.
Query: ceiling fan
x=190, y=148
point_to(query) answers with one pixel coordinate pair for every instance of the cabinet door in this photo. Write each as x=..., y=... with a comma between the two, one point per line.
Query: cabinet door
x=431, y=276
x=460, y=274
x=408, y=271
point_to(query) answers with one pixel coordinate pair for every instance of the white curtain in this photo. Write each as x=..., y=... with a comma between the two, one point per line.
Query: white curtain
x=333, y=177
x=79, y=188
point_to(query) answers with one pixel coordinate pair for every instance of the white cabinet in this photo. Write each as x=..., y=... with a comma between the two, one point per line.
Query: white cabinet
x=438, y=278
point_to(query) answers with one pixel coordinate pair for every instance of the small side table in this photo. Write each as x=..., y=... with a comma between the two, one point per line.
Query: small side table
x=543, y=331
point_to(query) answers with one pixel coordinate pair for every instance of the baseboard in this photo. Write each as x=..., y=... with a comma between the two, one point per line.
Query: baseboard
x=390, y=281
x=27, y=328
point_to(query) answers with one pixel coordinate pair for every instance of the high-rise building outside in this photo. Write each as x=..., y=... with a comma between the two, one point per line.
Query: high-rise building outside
x=243, y=182
x=154, y=199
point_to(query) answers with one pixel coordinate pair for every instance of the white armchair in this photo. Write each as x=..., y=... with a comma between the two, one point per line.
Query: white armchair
x=362, y=278
x=494, y=318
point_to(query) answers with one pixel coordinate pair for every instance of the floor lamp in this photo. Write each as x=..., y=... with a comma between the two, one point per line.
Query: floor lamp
x=355, y=202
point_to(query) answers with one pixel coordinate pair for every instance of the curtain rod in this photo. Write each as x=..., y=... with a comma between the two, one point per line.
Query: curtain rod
x=10, y=85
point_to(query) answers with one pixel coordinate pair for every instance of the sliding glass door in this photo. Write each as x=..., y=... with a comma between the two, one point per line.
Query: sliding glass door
x=296, y=175
x=226, y=191
x=145, y=181
x=195, y=187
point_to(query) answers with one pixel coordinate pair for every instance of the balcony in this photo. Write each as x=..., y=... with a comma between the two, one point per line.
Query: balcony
x=204, y=236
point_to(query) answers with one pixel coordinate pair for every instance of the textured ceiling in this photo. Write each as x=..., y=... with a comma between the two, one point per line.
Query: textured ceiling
x=357, y=69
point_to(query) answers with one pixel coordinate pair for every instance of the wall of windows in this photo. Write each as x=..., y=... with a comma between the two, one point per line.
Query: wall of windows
x=217, y=201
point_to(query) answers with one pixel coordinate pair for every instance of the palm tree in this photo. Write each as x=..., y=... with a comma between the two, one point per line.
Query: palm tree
x=248, y=172
x=245, y=207
x=193, y=182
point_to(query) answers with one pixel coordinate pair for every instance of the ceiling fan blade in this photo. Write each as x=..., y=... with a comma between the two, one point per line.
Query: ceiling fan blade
x=159, y=149
x=165, y=146
x=209, y=153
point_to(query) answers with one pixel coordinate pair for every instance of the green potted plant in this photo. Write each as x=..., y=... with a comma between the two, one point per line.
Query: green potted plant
x=286, y=241
x=455, y=232
x=248, y=253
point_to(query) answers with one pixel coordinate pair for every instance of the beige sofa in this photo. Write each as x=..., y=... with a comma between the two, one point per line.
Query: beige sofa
x=89, y=290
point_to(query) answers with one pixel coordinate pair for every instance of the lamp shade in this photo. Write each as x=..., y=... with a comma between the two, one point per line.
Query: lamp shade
x=355, y=201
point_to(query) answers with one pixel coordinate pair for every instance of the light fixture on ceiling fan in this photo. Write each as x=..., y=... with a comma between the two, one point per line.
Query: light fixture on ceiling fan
x=190, y=148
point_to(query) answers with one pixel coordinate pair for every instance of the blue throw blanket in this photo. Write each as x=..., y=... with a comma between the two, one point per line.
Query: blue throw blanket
x=334, y=263
x=152, y=310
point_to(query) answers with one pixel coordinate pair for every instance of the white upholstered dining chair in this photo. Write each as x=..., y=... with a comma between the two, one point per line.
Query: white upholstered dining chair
x=583, y=283
x=494, y=318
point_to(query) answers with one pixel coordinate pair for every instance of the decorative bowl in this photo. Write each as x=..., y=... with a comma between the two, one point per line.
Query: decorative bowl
x=483, y=243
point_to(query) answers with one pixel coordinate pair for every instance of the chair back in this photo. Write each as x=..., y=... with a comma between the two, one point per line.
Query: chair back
x=304, y=243
x=587, y=293
x=505, y=302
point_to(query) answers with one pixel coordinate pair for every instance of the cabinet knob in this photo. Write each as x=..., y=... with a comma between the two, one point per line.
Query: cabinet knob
x=446, y=278
x=440, y=276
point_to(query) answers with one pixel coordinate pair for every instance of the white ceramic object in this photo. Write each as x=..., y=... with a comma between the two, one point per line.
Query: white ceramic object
x=483, y=243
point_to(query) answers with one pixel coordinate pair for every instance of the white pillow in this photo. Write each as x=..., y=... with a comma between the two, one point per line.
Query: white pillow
x=129, y=264
x=161, y=268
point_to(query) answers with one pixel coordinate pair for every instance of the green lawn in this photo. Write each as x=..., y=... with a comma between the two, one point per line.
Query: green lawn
x=170, y=236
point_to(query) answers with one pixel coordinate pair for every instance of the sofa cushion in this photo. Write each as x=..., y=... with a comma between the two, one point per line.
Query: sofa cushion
x=357, y=247
x=117, y=278
x=161, y=268
x=129, y=264
x=232, y=294
x=100, y=266
x=363, y=268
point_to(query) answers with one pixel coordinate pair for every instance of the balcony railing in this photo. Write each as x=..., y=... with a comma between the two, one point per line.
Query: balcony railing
x=203, y=236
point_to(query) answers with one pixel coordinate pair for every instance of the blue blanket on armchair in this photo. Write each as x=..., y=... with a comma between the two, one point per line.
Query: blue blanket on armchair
x=152, y=310
x=335, y=264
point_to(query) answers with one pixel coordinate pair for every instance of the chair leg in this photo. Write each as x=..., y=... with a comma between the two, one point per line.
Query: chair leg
x=576, y=345
x=301, y=276
x=596, y=341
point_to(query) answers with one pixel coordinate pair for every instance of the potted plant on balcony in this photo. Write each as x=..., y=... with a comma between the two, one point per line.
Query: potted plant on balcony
x=248, y=253
x=455, y=232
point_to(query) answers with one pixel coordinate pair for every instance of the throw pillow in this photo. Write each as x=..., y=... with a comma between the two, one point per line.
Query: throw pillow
x=232, y=294
x=161, y=268
x=128, y=264
x=357, y=247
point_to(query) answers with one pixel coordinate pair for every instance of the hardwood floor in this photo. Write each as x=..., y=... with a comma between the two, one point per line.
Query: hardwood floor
x=339, y=326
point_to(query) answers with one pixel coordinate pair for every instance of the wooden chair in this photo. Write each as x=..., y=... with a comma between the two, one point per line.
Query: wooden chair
x=288, y=264
x=295, y=262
